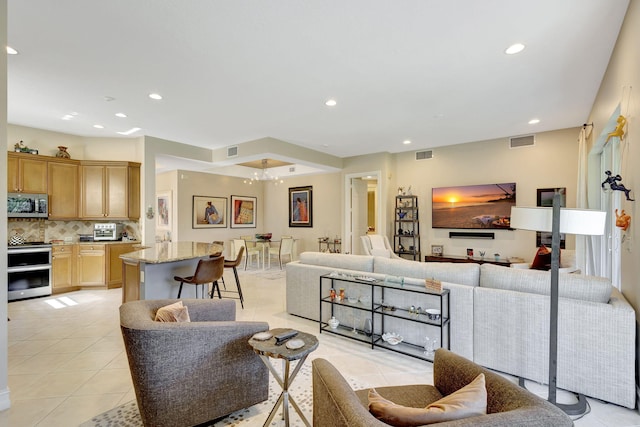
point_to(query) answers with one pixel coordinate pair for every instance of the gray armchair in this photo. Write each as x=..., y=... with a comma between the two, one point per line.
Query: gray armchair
x=335, y=404
x=189, y=373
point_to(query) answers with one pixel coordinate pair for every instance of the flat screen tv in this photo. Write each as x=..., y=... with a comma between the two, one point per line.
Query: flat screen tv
x=473, y=206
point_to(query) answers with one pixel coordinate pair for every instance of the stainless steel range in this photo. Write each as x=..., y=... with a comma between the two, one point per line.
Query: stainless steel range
x=29, y=270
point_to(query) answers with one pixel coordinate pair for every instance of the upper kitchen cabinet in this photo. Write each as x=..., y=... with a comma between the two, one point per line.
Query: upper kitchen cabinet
x=64, y=189
x=109, y=190
x=26, y=173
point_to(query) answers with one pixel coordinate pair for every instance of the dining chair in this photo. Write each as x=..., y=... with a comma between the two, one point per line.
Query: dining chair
x=207, y=271
x=250, y=251
x=285, y=248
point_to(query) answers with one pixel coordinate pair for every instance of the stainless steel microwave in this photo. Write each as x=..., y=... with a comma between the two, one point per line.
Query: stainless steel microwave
x=22, y=205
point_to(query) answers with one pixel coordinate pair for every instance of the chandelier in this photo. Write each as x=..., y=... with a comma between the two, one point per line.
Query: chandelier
x=264, y=175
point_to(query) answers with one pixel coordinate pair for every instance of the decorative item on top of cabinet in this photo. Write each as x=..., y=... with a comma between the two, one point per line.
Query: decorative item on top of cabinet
x=62, y=152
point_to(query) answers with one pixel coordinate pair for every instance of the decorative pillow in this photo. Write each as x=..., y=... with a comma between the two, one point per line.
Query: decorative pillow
x=175, y=312
x=469, y=401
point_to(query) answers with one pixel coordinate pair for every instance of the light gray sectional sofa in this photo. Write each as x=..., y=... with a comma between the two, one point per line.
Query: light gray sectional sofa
x=500, y=318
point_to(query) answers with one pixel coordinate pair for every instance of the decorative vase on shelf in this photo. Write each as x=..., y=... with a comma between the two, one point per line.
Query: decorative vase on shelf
x=333, y=323
x=62, y=152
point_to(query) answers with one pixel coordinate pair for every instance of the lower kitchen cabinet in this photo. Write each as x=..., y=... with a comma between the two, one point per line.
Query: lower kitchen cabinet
x=114, y=265
x=91, y=265
x=63, y=268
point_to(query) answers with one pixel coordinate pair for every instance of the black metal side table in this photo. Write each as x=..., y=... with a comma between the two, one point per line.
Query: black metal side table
x=268, y=349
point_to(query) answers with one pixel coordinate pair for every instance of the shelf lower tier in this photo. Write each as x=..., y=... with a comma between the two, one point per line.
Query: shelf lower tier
x=375, y=340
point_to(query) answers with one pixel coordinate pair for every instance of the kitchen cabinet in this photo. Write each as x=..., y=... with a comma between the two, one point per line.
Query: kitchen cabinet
x=26, y=173
x=114, y=265
x=63, y=268
x=91, y=265
x=64, y=189
x=110, y=190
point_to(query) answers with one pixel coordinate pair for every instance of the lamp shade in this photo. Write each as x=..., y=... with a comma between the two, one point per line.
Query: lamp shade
x=572, y=221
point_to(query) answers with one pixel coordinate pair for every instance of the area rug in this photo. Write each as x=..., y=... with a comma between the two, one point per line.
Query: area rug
x=127, y=415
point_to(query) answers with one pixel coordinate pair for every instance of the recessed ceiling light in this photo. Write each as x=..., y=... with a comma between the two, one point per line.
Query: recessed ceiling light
x=121, y=115
x=534, y=121
x=73, y=113
x=406, y=142
x=331, y=103
x=130, y=131
x=98, y=126
x=514, y=48
x=155, y=96
x=11, y=51
x=67, y=117
x=109, y=98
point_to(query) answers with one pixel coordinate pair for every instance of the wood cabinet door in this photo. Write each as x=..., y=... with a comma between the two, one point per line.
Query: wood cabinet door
x=64, y=190
x=13, y=180
x=92, y=192
x=62, y=266
x=134, y=192
x=114, y=268
x=91, y=265
x=117, y=192
x=33, y=175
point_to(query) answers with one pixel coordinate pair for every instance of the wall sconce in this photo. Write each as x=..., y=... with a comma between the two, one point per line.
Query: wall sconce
x=150, y=214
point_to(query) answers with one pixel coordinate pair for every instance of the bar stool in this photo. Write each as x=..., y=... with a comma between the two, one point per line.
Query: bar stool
x=233, y=263
x=208, y=271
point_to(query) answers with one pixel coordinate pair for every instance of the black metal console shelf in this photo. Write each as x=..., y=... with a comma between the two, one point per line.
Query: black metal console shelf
x=375, y=302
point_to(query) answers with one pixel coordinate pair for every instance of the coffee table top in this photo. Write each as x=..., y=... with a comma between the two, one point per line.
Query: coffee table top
x=269, y=347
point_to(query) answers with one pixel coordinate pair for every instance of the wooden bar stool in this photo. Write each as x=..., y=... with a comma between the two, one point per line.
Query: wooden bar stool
x=233, y=263
x=208, y=271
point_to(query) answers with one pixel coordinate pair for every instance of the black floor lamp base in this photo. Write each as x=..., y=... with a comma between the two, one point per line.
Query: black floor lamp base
x=578, y=408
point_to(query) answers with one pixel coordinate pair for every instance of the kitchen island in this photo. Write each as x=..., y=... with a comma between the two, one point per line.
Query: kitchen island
x=148, y=273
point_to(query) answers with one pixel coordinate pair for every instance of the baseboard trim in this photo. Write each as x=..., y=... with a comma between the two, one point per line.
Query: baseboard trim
x=5, y=401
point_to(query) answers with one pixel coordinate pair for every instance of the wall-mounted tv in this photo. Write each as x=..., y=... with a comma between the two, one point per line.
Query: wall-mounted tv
x=473, y=206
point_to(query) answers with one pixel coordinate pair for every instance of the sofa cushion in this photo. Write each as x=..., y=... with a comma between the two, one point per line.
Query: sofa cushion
x=469, y=401
x=542, y=260
x=575, y=286
x=345, y=261
x=461, y=273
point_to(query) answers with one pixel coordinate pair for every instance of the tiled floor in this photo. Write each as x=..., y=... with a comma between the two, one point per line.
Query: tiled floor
x=68, y=364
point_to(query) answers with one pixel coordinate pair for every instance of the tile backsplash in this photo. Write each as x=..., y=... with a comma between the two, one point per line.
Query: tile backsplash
x=41, y=230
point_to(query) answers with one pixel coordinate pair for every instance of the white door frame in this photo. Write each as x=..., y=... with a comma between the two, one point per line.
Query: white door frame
x=348, y=240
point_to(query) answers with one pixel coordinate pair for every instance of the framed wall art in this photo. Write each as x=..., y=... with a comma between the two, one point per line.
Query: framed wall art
x=301, y=206
x=209, y=212
x=163, y=209
x=243, y=212
x=545, y=199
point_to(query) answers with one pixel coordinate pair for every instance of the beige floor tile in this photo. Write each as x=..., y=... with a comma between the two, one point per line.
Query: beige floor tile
x=107, y=382
x=77, y=409
x=87, y=361
x=27, y=413
x=59, y=384
x=29, y=347
x=41, y=363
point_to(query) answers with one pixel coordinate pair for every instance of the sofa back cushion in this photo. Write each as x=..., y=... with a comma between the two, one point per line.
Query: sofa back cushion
x=344, y=261
x=460, y=273
x=574, y=286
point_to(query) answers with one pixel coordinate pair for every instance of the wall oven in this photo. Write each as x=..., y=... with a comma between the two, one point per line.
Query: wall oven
x=29, y=271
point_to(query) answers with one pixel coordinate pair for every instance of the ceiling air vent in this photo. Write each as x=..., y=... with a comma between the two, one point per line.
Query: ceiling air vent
x=292, y=169
x=522, y=141
x=232, y=151
x=423, y=155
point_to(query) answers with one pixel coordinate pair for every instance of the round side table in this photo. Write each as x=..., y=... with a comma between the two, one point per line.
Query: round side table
x=268, y=349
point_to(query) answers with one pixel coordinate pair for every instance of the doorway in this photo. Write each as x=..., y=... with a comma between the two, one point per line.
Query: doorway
x=363, y=209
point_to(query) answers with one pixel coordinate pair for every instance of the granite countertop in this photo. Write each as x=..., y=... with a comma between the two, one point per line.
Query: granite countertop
x=173, y=251
x=100, y=242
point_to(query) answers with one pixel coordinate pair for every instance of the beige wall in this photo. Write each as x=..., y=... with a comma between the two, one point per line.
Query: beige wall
x=624, y=73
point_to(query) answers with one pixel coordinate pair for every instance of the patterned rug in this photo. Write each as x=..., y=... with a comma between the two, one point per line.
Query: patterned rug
x=127, y=415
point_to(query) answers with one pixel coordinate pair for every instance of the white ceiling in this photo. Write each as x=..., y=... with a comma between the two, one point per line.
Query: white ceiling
x=431, y=71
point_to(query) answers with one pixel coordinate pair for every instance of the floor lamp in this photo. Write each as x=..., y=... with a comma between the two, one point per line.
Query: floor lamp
x=556, y=221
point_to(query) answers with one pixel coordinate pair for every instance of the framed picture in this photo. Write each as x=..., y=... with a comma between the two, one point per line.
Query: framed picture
x=209, y=212
x=301, y=206
x=163, y=209
x=243, y=212
x=545, y=198
x=437, y=250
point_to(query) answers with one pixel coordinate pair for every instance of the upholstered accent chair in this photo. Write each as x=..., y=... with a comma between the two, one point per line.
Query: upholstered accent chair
x=189, y=373
x=377, y=245
x=335, y=404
